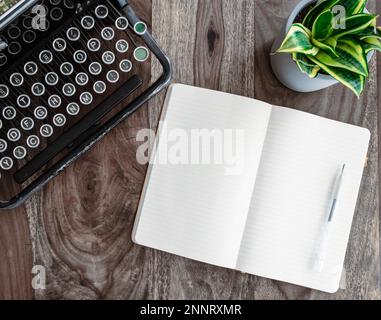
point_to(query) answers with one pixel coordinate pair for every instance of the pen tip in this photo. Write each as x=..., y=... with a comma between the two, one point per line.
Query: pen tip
x=344, y=165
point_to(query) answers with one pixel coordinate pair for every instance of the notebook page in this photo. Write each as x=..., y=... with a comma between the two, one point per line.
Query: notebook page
x=302, y=157
x=199, y=211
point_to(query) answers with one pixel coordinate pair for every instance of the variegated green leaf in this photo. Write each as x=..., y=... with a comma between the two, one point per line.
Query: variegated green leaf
x=317, y=10
x=350, y=56
x=355, y=24
x=298, y=40
x=323, y=26
x=326, y=45
x=353, y=81
x=353, y=6
x=371, y=44
x=370, y=32
x=305, y=65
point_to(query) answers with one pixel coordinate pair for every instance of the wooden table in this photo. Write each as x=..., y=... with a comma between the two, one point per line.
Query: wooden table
x=79, y=227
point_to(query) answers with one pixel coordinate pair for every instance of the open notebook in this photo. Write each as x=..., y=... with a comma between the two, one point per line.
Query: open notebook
x=267, y=219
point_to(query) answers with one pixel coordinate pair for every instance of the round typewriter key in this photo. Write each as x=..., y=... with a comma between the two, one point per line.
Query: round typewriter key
x=33, y=141
x=113, y=76
x=27, y=123
x=23, y=101
x=30, y=68
x=14, y=135
x=59, y=45
x=107, y=33
x=56, y=14
x=88, y=22
x=80, y=56
x=27, y=22
x=59, y=120
x=86, y=98
x=68, y=90
x=73, y=34
x=40, y=113
x=121, y=46
x=14, y=48
x=29, y=36
x=14, y=32
x=95, y=68
x=125, y=65
x=3, y=145
x=3, y=59
x=69, y=4
x=82, y=79
x=140, y=28
x=46, y=130
x=19, y=152
x=99, y=87
x=46, y=56
x=94, y=45
x=121, y=23
x=6, y=163
x=54, y=101
x=51, y=78
x=73, y=109
x=101, y=12
x=38, y=89
x=9, y=113
x=16, y=79
x=108, y=57
x=141, y=54
x=4, y=91
x=67, y=68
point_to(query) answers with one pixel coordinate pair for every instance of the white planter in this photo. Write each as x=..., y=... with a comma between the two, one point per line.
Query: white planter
x=286, y=70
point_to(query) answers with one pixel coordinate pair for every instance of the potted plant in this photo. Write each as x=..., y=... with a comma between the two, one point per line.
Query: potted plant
x=319, y=49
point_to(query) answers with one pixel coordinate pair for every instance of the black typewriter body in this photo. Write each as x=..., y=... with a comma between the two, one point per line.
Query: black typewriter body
x=70, y=71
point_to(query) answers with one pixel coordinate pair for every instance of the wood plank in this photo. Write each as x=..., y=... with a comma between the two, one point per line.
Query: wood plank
x=83, y=219
x=363, y=258
x=16, y=256
x=208, y=48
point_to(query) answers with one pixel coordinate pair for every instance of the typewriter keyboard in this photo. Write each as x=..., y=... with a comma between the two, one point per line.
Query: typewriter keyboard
x=54, y=91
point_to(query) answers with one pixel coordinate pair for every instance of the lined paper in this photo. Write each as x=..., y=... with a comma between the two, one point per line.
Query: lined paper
x=300, y=162
x=198, y=211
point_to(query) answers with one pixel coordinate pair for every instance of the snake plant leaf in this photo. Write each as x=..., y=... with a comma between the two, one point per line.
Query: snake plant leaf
x=350, y=56
x=298, y=40
x=354, y=81
x=370, y=33
x=317, y=10
x=305, y=65
x=323, y=26
x=326, y=45
x=371, y=44
x=353, y=6
x=355, y=24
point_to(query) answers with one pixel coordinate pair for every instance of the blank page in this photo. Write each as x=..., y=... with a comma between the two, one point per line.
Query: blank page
x=301, y=159
x=199, y=211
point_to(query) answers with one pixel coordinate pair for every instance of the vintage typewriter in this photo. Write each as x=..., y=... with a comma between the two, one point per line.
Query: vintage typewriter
x=70, y=71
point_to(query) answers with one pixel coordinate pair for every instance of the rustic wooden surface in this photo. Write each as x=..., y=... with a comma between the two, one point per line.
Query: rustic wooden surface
x=79, y=227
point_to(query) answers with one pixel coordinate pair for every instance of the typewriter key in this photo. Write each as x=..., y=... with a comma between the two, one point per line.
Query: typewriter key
x=73, y=34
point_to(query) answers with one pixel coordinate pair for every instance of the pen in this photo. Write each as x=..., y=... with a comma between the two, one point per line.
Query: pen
x=323, y=245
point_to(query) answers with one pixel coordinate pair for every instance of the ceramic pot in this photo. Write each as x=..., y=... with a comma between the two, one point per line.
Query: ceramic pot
x=286, y=70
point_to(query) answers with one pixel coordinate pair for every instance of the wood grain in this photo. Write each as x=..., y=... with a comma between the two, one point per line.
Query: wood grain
x=79, y=227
